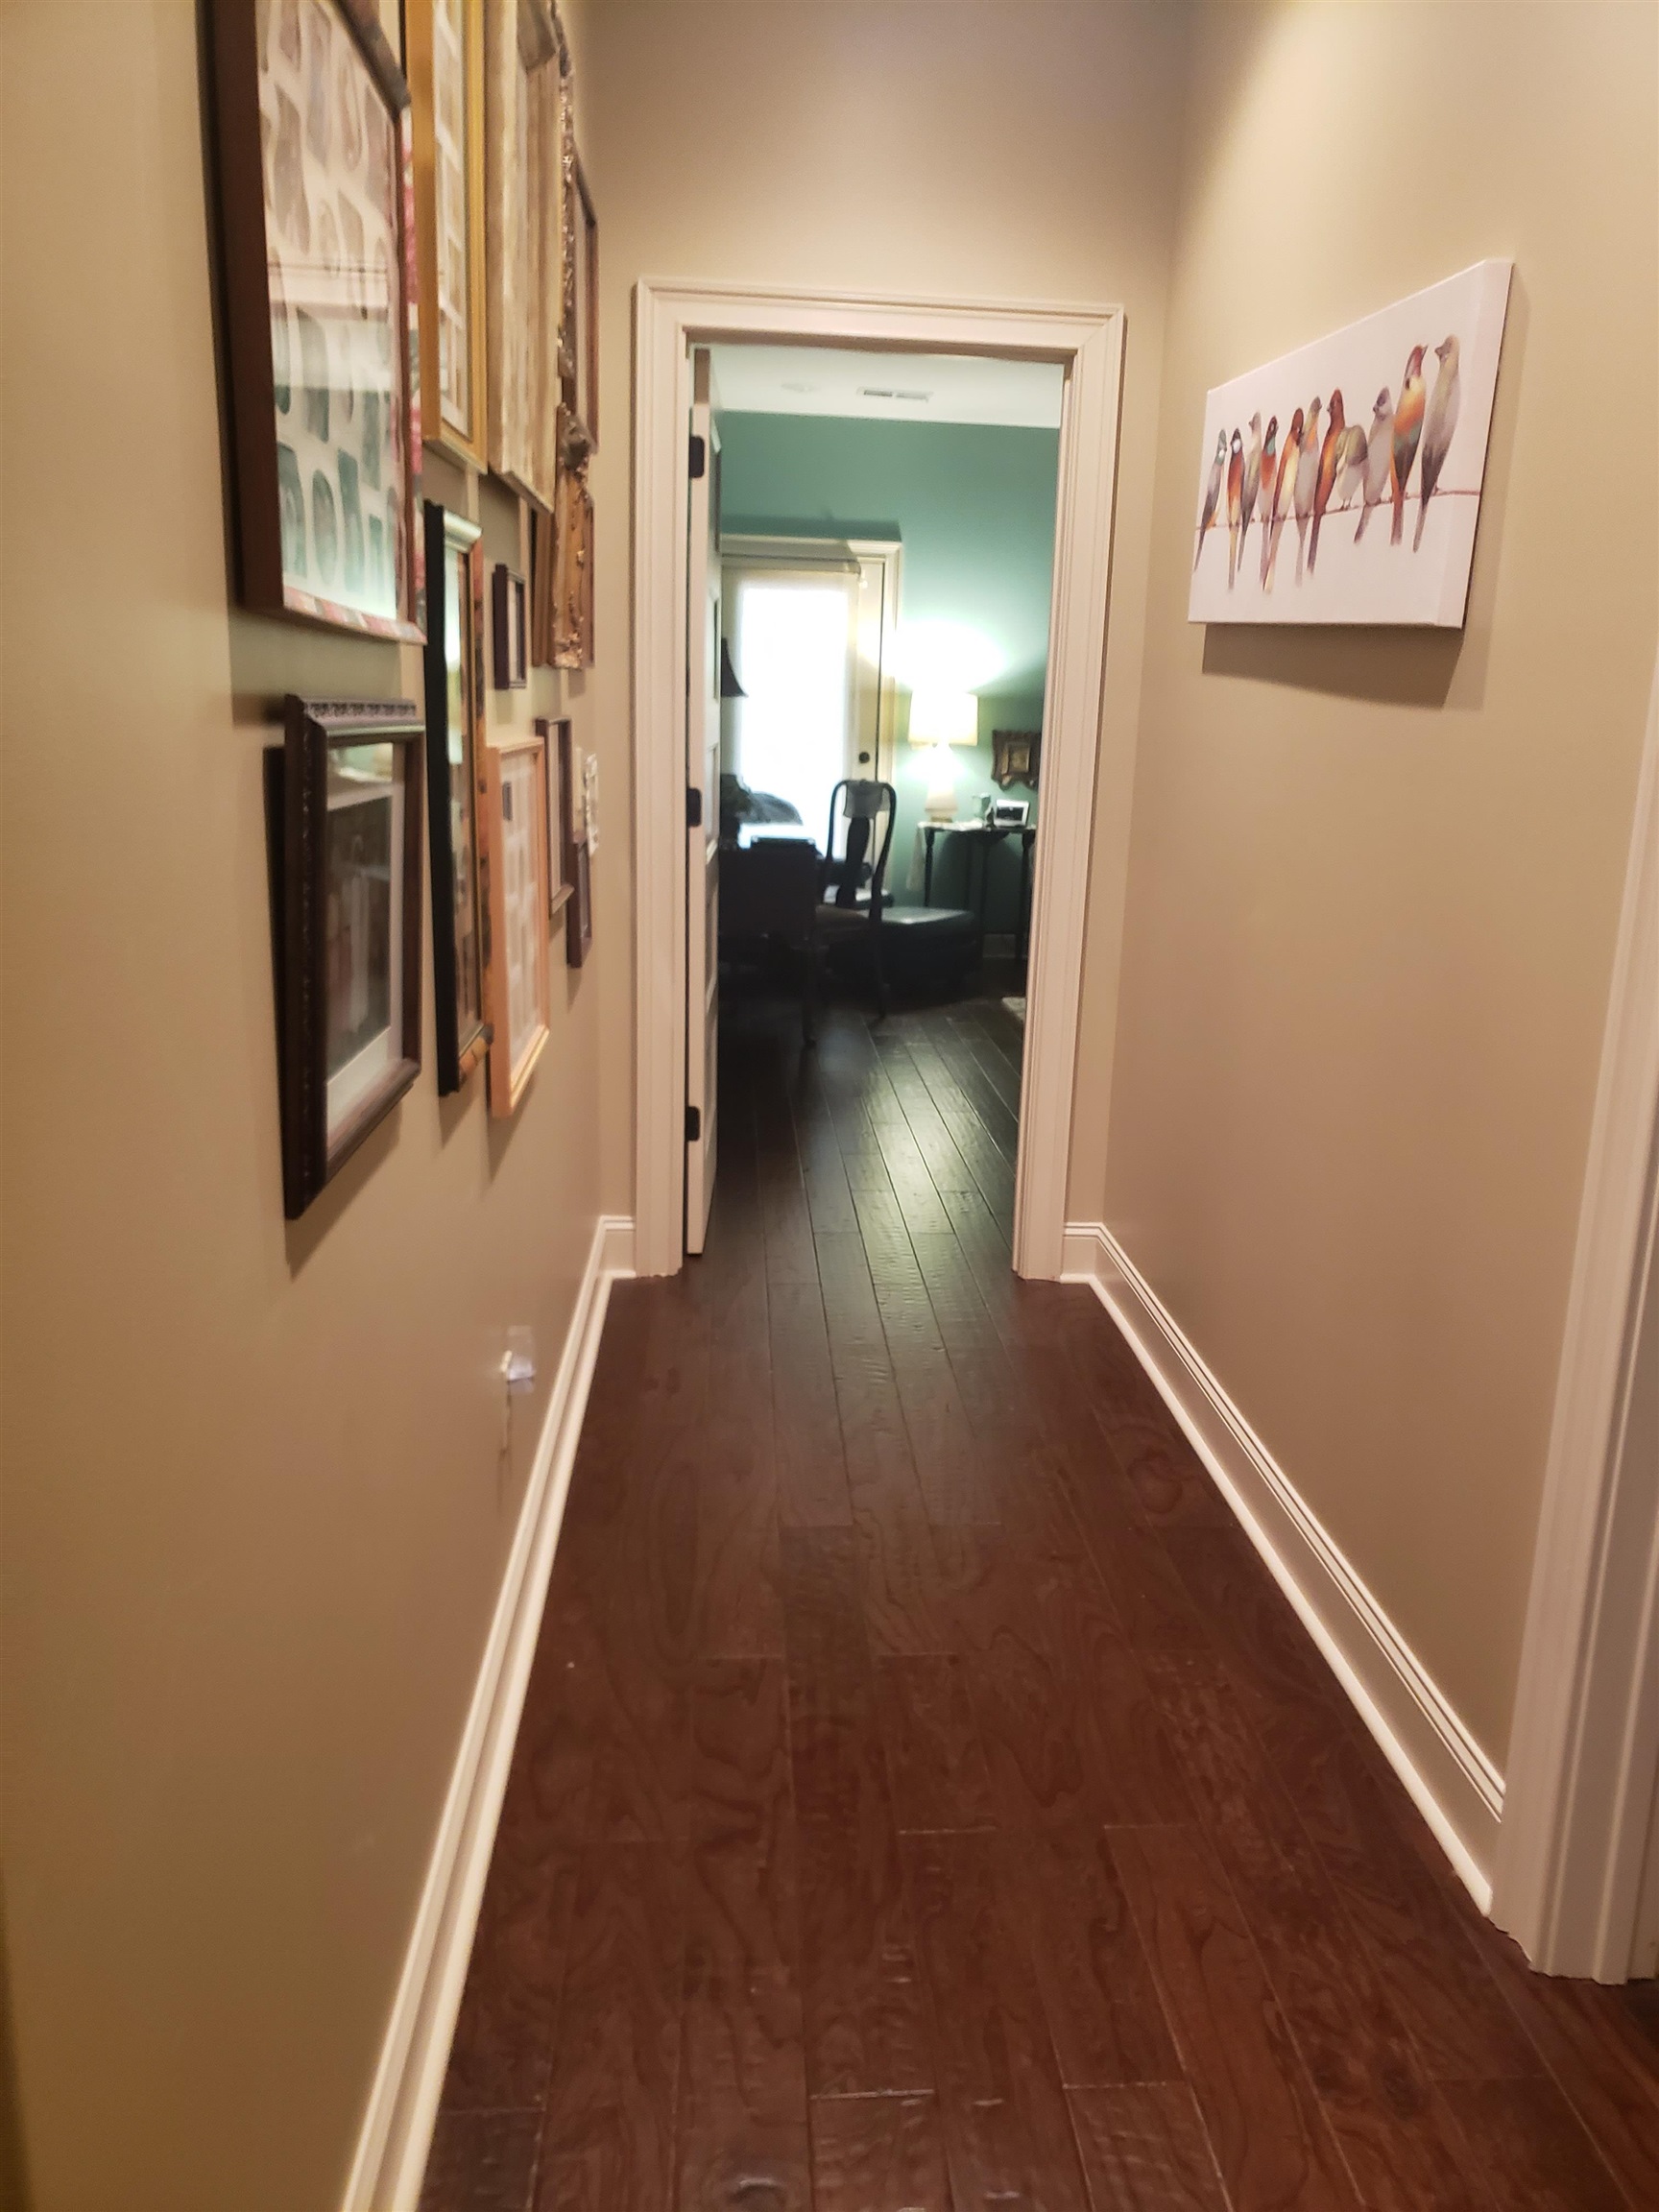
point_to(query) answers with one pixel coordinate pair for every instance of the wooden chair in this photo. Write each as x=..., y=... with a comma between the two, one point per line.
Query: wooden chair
x=852, y=893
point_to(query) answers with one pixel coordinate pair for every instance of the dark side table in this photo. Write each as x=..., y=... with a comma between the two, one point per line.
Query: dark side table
x=982, y=835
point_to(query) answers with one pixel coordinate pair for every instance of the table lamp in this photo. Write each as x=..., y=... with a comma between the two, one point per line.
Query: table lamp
x=939, y=720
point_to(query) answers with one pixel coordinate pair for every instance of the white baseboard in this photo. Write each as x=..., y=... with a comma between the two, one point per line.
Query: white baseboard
x=396, y=2132
x=1453, y=1783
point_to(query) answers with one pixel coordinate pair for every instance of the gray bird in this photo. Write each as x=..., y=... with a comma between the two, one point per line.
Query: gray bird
x=1350, y=464
x=1379, y=460
x=1252, y=483
x=1438, y=424
x=1306, y=480
x=1212, y=494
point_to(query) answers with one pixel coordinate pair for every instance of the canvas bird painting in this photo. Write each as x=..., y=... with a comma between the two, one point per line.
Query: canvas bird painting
x=1371, y=445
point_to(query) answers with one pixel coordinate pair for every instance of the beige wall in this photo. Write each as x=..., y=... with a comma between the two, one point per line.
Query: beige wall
x=1014, y=152
x=1375, y=878
x=255, y=1518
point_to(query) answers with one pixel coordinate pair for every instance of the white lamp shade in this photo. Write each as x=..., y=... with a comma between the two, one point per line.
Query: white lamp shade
x=943, y=718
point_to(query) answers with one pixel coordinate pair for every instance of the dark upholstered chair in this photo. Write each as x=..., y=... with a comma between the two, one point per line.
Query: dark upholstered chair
x=769, y=889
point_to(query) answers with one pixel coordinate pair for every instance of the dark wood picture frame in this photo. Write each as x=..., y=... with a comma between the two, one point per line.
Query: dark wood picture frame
x=560, y=889
x=1016, y=756
x=265, y=502
x=510, y=626
x=462, y=1033
x=577, y=868
x=579, y=336
x=315, y=730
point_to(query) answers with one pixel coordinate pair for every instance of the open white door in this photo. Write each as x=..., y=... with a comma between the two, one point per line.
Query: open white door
x=702, y=809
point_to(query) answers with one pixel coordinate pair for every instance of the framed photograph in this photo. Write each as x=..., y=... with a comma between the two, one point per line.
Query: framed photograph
x=526, y=66
x=512, y=869
x=317, y=225
x=454, y=755
x=541, y=556
x=508, y=611
x=579, y=349
x=558, y=737
x=572, y=577
x=350, y=897
x=577, y=870
x=444, y=47
x=1015, y=756
x=1360, y=461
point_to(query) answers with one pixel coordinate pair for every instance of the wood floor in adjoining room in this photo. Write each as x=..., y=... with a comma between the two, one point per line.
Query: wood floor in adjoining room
x=925, y=1798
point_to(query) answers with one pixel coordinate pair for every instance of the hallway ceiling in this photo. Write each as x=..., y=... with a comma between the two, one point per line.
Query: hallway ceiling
x=886, y=387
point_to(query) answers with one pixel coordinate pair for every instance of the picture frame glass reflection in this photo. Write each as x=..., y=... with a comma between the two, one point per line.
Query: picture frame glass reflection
x=363, y=889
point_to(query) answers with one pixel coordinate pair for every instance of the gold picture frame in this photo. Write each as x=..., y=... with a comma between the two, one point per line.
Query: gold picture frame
x=526, y=93
x=513, y=876
x=444, y=51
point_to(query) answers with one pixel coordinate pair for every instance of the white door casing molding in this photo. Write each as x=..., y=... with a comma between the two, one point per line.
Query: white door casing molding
x=669, y=317
x=1585, y=1741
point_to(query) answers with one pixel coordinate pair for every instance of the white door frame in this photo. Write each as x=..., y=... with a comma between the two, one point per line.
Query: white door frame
x=670, y=317
x=1585, y=1744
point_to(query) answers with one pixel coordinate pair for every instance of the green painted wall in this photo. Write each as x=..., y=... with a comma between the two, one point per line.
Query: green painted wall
x=973, y=507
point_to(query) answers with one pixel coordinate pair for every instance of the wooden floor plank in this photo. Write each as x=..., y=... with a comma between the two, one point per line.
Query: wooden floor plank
x=1145, y=2150
x=935, y=1762
x=1271, y=2141
x=1532, y=2151
x=1003, y=2108
x=607, y=2138
x=879, y=2154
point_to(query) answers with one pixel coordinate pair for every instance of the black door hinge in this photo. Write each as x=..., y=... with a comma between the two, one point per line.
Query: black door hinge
x=693, y=1123
x=693, y=807
x=699, y=458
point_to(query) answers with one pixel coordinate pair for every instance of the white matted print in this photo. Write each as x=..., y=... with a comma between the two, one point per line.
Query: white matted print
x=1343, y=482
x=333, y=166
x=517, y=967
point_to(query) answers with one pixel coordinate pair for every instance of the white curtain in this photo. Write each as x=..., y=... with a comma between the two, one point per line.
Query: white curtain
x=794, y=647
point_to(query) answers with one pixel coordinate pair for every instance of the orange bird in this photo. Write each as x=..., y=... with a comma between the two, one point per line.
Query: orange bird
x=1270, y=477
x=1326, y=483
x=1284, y=495
x=1235, y=503
x=1407, y=430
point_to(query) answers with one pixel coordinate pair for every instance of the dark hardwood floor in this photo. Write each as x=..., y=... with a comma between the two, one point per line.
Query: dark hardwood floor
x=925, y=1798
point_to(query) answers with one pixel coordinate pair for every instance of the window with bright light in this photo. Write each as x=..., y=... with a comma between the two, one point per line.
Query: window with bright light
x=794, y=646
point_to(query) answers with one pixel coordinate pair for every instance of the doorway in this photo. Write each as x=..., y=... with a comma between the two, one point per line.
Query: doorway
x=1085, y=346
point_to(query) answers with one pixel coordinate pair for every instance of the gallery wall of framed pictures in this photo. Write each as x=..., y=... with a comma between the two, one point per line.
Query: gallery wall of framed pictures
x=409, y=261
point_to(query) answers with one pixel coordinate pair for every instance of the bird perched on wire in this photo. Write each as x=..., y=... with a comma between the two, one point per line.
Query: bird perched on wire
x=1252, y=484
x=1439, y=421
x=1379, y=460
x=1306, y=480
x=1235, y=503
x=1283, y=495
x=1326, y=482
x=1265, y=490
x=1349, y=465
x=1212, y=494
x=1407, y=432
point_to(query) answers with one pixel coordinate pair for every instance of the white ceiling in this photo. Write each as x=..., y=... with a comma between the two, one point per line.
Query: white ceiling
x=886, y=387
